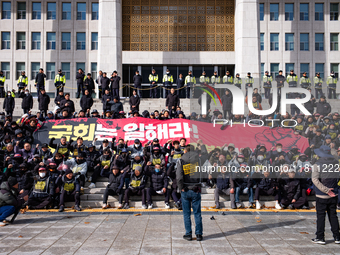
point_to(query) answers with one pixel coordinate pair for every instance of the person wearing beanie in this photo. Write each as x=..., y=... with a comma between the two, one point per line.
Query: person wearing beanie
x=69, y=191
x=10, y=203
x=115, y=186
x=78, y=165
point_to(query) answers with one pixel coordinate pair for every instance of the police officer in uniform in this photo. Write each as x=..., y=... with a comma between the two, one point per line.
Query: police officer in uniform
x=190, y=81
x=318, y=85
x=59, y=82
x=292, y=81
x=227, y=78
x=267, y=84
x=153, y=79
x=2, y=84
x=331, y=84
x=305, y=81
x=238, y=81
x=22, y=83
x=190, y=187
x=249, y=82
x=280, y=82
x=168, y=79
x=204, y=78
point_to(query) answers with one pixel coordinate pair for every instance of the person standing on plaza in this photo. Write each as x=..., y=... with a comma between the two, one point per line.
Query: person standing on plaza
x=267, y=84
x=204, y=78
x=88, y=84
x=9, y=103
x=305, y=81
x=59, y=82
x=331, y=84
x=44, y=101
x=249, y=82
x=227, y=78
x=280, y=82
x=22, y=83
x=99, y=82
x=27, y=101
x=180, y=86
x=40, y=81
x=190, y=81
x=153, y=79
x=80, y=81
x=168, y=79
x=318, y=85
x=115, y=79
x=137, y=83
x=326, y=191
x=2, y=84
x=190, y=187
x=134, y=101
x=238, y=81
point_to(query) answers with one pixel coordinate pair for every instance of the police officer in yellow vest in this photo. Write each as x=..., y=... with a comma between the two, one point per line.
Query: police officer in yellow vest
x=22, y=83
x=292, y=80
x=227, y=78
x=204, y=78
x=2, y=84
x=190, y=81
x=215, y=79
x=59, y=82
x=238, y=81
x=267, y=84
x=331, y=84
x=168, y=79
x=318, y=85
x=249, y=82
x=305, y=81
x=153, y=79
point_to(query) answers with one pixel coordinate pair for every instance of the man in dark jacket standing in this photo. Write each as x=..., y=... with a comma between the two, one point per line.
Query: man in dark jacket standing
x=9, y=103
x=88, y=84
x=59, y=98
x=115, y=186
x=180, y=86
x=86, y=101
x=40, y=80
x=27, y=101
x=9, y=200
x=137, y=83
x=227, y=101
x=105, y=81
x=115, y=79
x=172, y=100
x=326, y=191
x=134, y=101
x=67, y=104
x=322, y=107
x=80, y=81
x=44, y=101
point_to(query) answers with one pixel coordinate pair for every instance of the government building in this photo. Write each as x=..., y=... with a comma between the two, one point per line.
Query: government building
x=180, y=35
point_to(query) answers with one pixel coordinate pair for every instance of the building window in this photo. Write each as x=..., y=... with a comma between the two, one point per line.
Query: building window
x=289, y=11
x=65, y=67
x=289, y=42
x=319, y=42
x=304, y=67
x=334, y=12
x=81, y=11
x=20, y=68
x=274, y=11
x=50, y=41
x=36, y=10
x=94, y=41
x=5, y=40
x=81, y=42
x=21, y=14
x=304, y=11
x=51, y=11
x=304, y=42
x=334, y=42
x=80, y=65
x=319, y=68
x=95, y=11
x=5, y=67
x=50, y=71
x=262, y=69
x=94, y=70
x=274, y=42
x=66, y=15
x=318, y=11
x=66, y=41
x=21, y=40
x=6, y=10
x=261, y=12
x=35, y=66
x=274, y=69
x=262, y=41
x=335, y=69
x=289, y=66
x=36, y=40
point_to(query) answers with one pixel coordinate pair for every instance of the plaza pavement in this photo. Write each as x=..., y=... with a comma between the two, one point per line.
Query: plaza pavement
x=247, y=232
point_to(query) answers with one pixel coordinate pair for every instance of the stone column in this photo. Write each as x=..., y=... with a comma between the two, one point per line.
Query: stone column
x=110, y=37
x=247, y=42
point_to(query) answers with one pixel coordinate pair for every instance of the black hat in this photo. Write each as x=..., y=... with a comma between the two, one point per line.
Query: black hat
x=59, y=71
x=82, y=154
x=94, y=111
x=18, y=131
x=317, y=73
x=44, y=145
x=115, y=167
x=81, y=111
x=88, y=74
x=280, y=71
x=105, y=141
x=12, y=181
x=155, y=140
x=291, y=70
x=137, y=141
x=249, y=73
x=23, y=165
x=332, y=72
x=323, y=97
x=68, y=171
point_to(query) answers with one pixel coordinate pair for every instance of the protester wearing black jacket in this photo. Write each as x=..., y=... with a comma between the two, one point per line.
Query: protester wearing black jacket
x=180, y=85
x=86, y=101
x=134, y=101
x=40, y=80
x=9, y=103
x=115, y=79
x=27, y=102
x=44, y=101
x=107, y=97
x=105, y=81
x=227, y=101
x=80, y=81
x=137, y=83
x=114, y=187
x=88, y=84
x=322, y=107
x=67, y=104
x=172, y=100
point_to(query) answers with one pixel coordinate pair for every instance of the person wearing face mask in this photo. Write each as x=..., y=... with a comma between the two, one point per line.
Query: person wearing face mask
x=43, y=191
x=10, y=201
x=273, y=154
x=70, y=190
x=136, y=148
x=25, y=180
x=9, y=103
x=293, y=154
x=44, y=152
x=91, y=157
x=230, y=153
x=237, y=160
x=120, y=145
x=157, y=158
x=168, y=79
x=78, y=166
x=189, y=82
x=136, y=186
x=114, y=187
x=331, y=84
x=54, y=173
x=79, y=146
x=27, y=101
x=243, y=185
x=134, y=101
x=259, y=161
x=122, y=160
x=103, y=162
